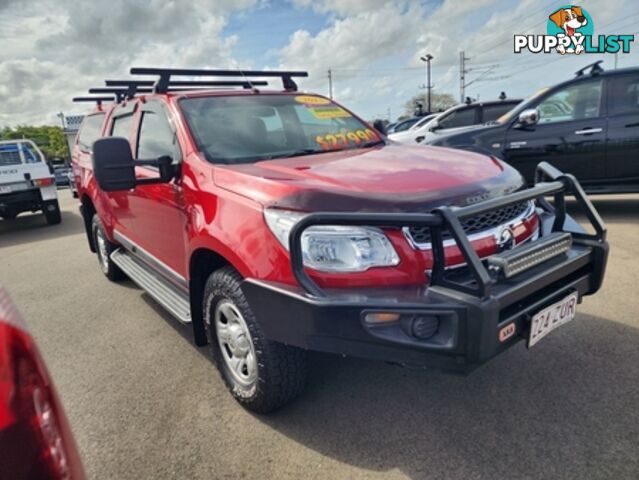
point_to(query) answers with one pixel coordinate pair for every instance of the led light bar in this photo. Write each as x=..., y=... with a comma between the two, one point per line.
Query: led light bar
x=522, y=258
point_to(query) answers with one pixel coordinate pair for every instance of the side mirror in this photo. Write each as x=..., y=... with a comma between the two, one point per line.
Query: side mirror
x=528, y=118
x=380, y=126
x=114, y=166
x=434, y=126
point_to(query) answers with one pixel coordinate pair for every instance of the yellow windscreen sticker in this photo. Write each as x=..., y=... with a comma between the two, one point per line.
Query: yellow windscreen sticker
x=324, y=113
x=312, y=100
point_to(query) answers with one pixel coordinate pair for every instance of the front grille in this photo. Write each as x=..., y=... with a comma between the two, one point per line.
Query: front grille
x=486, y=221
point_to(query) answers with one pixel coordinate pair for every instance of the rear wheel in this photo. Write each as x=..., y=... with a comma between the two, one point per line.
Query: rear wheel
x=262, y=375
x=103, y=249
x=52, y=213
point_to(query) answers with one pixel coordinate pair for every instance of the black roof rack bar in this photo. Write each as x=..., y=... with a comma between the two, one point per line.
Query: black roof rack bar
x=595, y=68
x=187, y=83
x=165, y=74
x=97, y=100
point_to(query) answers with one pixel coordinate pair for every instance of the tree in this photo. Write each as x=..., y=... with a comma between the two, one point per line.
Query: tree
x=49, y=139
x=439, y=102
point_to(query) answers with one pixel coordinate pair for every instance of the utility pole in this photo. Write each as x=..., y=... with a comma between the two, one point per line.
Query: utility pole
x=427, y=58
x=462, y=75
x=330, y=84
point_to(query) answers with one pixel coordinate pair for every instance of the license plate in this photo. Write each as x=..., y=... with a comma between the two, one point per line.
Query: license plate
x=5, y=189
x=552, y=317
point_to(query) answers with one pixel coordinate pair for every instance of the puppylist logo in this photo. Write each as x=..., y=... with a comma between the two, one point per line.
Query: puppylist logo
x=570, y=29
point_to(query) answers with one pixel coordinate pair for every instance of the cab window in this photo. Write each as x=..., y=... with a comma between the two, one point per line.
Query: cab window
x=624, y=95
x=576, y=102
x=90, y=131
x=493, y=112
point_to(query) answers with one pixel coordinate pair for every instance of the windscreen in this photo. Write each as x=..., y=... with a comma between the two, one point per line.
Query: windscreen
x=243, y=129
x=17, y=153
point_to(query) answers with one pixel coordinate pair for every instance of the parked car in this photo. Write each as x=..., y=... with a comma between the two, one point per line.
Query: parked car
x=587, y=126
x=61, y=175
x=274, y=222
x=26, y=182
x=35, y=439
x=403, y=125
x=456, y=117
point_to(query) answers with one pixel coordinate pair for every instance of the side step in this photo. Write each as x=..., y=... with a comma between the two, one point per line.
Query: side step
x=167, y=295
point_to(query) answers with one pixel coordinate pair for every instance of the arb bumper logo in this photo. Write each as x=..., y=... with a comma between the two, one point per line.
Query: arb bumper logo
x=571, y=30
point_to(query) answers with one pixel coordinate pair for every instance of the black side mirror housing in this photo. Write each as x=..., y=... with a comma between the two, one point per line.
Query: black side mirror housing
x=114, y=166
x=380, y=126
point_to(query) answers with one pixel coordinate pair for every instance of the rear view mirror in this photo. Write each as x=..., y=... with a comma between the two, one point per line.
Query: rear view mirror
x=433, y=126
x=380, y=126
x=528, y=117
x=113, y=164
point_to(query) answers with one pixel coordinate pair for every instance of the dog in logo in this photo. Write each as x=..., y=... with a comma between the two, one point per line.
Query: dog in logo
x=569, y=20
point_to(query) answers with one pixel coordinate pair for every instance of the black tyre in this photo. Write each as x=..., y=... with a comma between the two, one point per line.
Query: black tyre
x=262, y=375
x=52, y=213
x=103, y=249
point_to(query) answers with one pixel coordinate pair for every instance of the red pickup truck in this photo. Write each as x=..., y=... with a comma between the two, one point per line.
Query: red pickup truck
x=276, y=222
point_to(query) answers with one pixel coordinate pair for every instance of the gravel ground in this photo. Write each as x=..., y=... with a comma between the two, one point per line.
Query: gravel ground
x=144, y=402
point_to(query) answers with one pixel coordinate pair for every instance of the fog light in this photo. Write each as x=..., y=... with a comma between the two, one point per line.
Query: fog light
x=425, y=326
x=381, y=317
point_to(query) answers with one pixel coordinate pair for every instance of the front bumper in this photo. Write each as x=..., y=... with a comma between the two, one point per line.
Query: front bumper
x=468, y=307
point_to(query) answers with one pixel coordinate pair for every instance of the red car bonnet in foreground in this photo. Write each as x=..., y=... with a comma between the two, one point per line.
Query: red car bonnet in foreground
x=35, y=439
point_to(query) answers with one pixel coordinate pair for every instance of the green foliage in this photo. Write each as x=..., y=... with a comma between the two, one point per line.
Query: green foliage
x=50, y=139
x=439, y=102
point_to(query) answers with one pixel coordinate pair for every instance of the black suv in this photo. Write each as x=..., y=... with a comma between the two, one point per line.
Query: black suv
x=587, y=126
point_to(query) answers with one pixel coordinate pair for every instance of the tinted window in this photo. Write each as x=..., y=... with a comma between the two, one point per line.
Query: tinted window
x=575, y=102
x=458, y=118
x=122, y=126
x=624, y=95
x=90, y=131
x=156, y=138
x=493, y=112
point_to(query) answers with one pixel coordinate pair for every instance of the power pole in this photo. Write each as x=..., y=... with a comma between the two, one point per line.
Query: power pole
x=330, y=83
x=462, y=75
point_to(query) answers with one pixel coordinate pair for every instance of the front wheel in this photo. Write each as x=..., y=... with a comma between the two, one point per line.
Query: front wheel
x=262, y=375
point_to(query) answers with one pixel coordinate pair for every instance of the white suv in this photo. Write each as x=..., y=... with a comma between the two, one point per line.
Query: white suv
x=26, y=182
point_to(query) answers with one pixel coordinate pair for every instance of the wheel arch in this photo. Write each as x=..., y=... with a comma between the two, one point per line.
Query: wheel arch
x=203, y=262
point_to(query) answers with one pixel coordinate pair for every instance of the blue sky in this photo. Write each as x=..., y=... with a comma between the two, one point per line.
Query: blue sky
x=56, y=49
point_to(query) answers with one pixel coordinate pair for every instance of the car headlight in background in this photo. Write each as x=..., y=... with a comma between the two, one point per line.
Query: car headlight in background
x=334, y=248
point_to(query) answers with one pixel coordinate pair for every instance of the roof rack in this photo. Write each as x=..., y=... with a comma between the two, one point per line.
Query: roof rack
x=595, y=69
x=129, y=88
x=97, y=100
x=164, y=81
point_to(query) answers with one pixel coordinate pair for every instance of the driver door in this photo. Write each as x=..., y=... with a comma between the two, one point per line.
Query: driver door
x=570, y=134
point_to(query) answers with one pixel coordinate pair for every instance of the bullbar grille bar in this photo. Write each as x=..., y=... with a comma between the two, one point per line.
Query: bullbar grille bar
x=549, y=181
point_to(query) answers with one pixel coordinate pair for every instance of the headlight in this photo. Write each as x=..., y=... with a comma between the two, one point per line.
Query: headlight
x=334, y=248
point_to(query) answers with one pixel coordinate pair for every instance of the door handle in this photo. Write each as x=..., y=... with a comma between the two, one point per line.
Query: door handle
x=588, y=131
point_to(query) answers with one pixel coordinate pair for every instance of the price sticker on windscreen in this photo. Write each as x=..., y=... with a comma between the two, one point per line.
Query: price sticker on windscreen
x=329, y=112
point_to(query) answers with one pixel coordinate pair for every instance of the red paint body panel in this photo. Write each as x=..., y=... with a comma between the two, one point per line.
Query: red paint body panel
x=220, y=207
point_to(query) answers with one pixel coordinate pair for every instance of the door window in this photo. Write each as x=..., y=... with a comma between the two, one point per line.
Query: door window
x=624, y=95
x=156, y=137
x=458, y=118
x=493, y=112
x=122, y=126
x=576, y=102
x=90, y=131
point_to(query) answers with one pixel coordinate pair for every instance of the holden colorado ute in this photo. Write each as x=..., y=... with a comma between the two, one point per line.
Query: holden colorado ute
x=276, y=222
